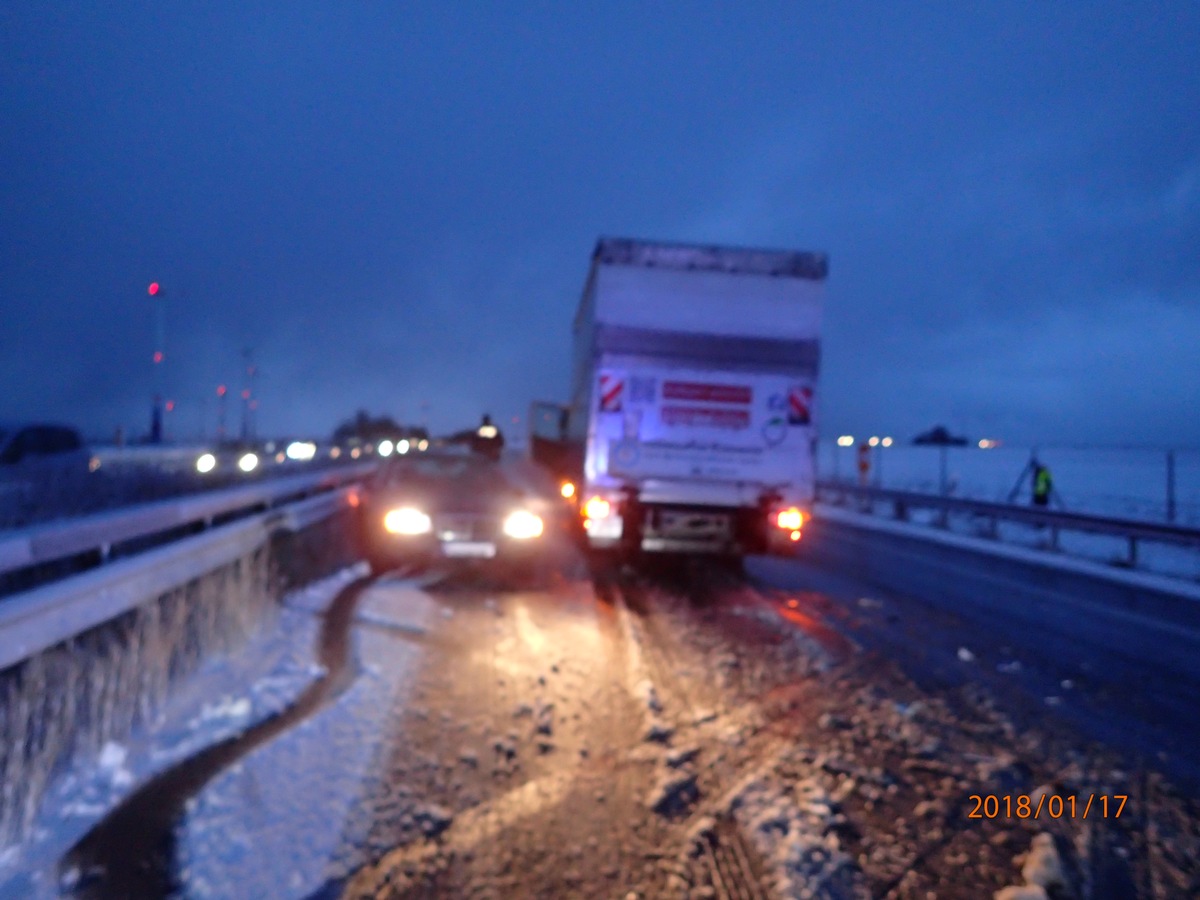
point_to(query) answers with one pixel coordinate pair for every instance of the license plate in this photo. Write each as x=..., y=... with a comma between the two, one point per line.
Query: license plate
x=475, y=549
x=683, y=522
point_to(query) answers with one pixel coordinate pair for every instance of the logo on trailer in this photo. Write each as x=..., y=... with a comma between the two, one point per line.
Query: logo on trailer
x=612, y=388
x=800, y=405
x=774, y=432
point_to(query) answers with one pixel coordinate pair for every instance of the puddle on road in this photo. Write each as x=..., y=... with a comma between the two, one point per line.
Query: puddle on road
x=132, y=852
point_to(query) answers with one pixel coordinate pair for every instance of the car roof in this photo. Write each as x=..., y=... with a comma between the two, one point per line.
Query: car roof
x=18, y=424
x=12, y=426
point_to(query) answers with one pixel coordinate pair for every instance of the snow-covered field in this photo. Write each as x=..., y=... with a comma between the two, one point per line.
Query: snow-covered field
x=1123, y=482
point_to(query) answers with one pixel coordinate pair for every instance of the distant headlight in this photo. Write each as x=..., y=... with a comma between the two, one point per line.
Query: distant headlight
x=523, y=525
x=407, y=520
x=206, y=463
x=385, y=448
x=248, y=462
x=301, y=450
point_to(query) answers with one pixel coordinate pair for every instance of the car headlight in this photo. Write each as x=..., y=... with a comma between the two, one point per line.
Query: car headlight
x=206, y=463
x=248, y=462
x=407, y=520
x=523, y=525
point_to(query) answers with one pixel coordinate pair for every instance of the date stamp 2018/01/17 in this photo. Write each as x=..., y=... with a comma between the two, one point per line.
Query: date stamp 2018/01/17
x=1050, y=806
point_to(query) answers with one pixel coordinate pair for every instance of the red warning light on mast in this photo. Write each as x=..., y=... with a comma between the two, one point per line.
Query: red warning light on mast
x=153, y=289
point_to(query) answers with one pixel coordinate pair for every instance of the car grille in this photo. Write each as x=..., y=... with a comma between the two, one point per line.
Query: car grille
x=463, y=528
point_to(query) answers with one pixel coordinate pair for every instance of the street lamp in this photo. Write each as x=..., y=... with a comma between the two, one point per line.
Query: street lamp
x=221, y=392
x=156, y=425
x=844, y=440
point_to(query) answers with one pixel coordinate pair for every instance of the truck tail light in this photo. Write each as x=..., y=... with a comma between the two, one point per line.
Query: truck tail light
x=790, y=519
x=597, y=508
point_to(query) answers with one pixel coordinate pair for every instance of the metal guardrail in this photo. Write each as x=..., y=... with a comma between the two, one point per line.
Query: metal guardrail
x=102, y=532
x=1054, y=521
x=45, y=616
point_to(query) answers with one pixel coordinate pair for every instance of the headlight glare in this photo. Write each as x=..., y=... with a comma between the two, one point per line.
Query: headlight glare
x=523, y=525
x=407, y=520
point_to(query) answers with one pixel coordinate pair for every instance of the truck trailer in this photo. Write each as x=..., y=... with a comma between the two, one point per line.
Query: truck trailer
x=691, y=424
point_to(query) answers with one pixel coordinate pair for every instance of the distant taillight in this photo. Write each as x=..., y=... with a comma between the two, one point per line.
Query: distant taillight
x=567, y=490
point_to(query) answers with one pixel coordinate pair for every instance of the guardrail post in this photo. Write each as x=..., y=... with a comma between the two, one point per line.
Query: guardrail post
x=1053, y=537
x=1132, y=551
x=900, y=511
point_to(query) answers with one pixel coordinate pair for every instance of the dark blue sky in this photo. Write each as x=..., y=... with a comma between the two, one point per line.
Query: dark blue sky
x=395, y=203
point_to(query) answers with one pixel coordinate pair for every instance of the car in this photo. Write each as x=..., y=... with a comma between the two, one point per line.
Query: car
x=44, y=467
x=456, y=506
x=29, y=446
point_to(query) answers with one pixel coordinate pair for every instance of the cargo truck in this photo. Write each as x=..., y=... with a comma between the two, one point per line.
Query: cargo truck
x=691, y=425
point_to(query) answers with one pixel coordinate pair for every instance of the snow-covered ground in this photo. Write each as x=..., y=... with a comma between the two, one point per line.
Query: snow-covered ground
x=280, y=822
x=1112, y=553
x=228, y=694
x=1122, y=482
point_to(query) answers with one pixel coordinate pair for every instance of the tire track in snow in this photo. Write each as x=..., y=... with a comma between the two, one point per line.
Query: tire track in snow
x=131, y=852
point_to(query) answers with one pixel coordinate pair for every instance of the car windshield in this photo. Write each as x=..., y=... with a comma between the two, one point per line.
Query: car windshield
x=428, y=467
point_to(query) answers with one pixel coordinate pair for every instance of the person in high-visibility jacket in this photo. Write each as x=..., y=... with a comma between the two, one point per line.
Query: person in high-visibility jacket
x=1042, y=485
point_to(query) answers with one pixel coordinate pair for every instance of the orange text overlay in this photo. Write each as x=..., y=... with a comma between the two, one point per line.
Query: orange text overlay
x=1046, y=806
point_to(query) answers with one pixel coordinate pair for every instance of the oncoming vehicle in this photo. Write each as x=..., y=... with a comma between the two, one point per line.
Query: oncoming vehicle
x=447, y=505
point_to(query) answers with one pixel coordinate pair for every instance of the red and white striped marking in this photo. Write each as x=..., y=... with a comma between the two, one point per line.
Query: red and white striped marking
x=612, y=388
x=800, y=405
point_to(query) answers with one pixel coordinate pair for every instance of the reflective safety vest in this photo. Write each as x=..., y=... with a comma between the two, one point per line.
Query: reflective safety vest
x=1041, y=483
